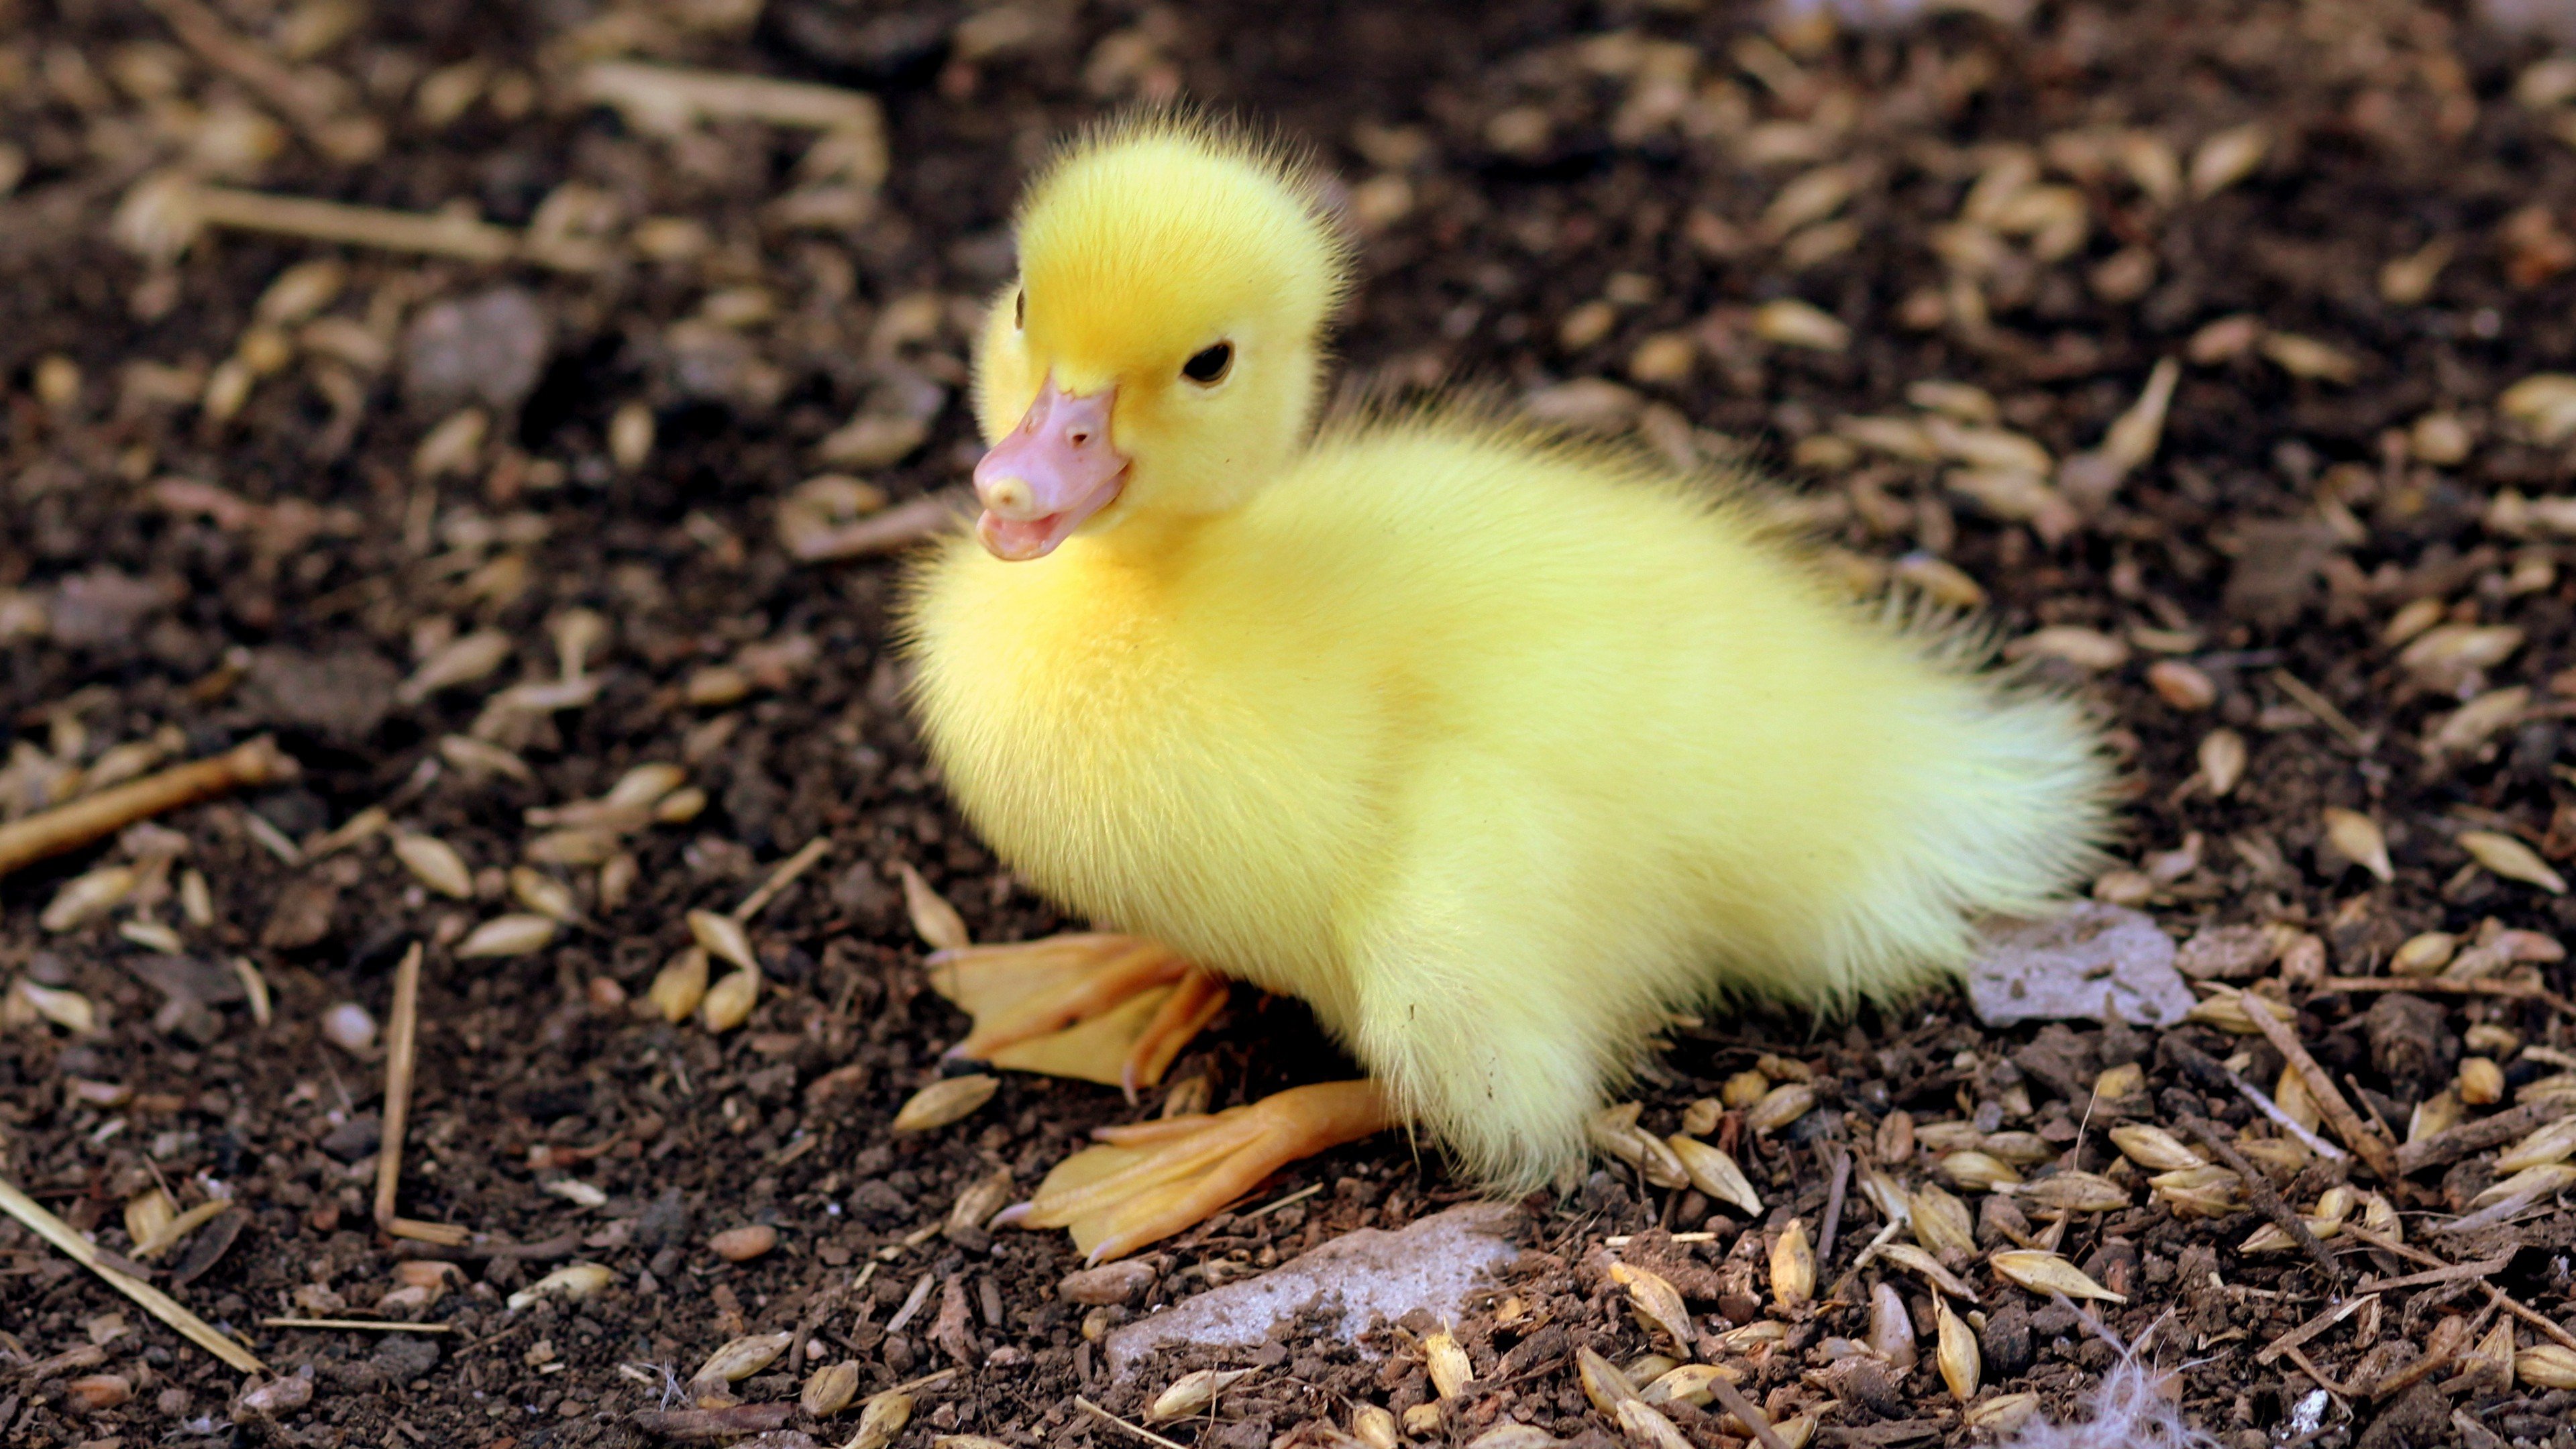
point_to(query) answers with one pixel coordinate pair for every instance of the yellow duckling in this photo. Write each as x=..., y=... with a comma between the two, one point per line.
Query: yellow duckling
x=1492, y=747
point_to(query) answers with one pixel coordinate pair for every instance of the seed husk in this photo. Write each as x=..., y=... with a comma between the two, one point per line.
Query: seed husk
x=2181, y=685
x=2546, y=1366
x=86, y=897
x=2046, y=1273
x=1941, y=1223
x=1793, y=323
x=743, y=1357
x=2002, y=1414
x=2222, y=761
x=2511, y=859
x=1192, y=1393
x=2553, y=1143
x=574, y=1281
x=830, y=1389
x=2227, y=158
x=982, y=1198
x=510, y=935
x=1793, y=1266
x=2075, y=1192
x=1450, y=1368
x=543, y=894
x=1779, y=1107
x=2529, y=1185
x=1714, y=1173
x=147, y=1213
x=933, y=919
x=2357, y=838
x=1602, y=1382
x=1688, y=1383
x=1743, y=1089
x=1647, y=1427
x=434, y=863
x=2153, y=1148
x=69, y=1010
x=1655, y=1302
x=2481, y=1082
x=1891, y=1328
x=724, y=938
x=880, y=1419
x=1962, y=1367
x=680, y=985
x=1978, y=1171
x=1917, y=1261
x=1373, y=1426
x=950, y=1099
x=729, y=1002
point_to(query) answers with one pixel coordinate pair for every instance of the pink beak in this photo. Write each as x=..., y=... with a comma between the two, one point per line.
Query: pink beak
x=1049, y=474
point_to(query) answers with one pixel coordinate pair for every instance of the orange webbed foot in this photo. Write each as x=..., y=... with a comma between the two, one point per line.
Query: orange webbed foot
x=1150, y=1180
x=1094, y=1006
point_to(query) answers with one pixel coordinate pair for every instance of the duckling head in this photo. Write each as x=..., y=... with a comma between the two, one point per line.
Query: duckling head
x=1159, y=354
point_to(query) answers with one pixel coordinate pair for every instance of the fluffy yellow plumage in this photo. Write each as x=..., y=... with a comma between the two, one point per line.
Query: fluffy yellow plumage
x=1491, y=747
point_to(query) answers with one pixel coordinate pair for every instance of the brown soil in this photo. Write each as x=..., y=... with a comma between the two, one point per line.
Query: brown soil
x=1543, y=200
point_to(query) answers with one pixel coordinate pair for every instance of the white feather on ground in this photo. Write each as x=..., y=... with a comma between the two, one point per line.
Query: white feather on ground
x=2127, y=1413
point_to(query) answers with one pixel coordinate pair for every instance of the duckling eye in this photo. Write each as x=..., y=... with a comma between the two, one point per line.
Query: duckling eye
x=1020, y=308
x=1207, y=367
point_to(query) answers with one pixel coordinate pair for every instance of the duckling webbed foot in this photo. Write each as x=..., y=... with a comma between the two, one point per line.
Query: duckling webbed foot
x=1149, y=1180
x=1094, y=1006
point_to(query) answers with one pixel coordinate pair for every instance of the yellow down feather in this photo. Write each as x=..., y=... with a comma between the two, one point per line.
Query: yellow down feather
x=1491, y=747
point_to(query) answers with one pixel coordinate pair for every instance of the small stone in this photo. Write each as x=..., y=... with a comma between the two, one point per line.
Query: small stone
x=489, y=348
x=277, y=1396
x=349, y=1027
x=1123, y=1282
x=741, y=1245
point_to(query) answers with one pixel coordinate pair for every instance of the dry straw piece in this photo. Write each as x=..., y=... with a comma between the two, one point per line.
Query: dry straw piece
x=155, y=1302
x=92, y=818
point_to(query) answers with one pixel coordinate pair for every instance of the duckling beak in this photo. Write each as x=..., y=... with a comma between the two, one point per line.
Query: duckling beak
x=1049, y=474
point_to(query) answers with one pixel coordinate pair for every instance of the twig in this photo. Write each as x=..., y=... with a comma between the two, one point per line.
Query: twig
x=350, y=138
x=1835, y=1187
x=665, y=99
x=2216, y=1074
x=2290, y=1341
x=2312, y=1371
x=382, y=1325
x=2259, y=1188
x=1106, y=1417
x=2441, y=986
x=898, y=527
x=2541, y=1321
x=2452, y=1144
x=781, y=878
x=1733, y=1400
x=2372, y=1148
x=2407, y=1251
x=2323, y=708
x=1300, y=1195
x=70, y=826
x=2447, y=1273
x=155, y=1302
x=402, y=1052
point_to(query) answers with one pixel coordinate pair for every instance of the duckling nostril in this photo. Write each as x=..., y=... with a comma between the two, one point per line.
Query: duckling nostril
x=1010, y=496
x=1078, y=438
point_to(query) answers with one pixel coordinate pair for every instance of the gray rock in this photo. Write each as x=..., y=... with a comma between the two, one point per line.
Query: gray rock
x=488, y=348
x=1371, y=1274
x=2095, y=962
x=341, y=696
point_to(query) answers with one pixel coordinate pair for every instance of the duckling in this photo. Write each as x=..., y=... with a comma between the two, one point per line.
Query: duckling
x=1493, y=747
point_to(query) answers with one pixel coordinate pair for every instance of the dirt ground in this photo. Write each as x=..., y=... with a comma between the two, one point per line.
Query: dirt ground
x=472, y=535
